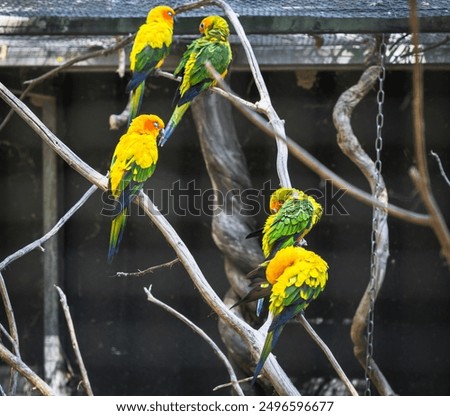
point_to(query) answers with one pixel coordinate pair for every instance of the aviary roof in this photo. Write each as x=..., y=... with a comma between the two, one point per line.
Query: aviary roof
x=268, y=16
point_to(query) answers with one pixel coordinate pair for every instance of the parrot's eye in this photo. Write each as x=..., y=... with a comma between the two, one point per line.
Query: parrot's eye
x=156, y=124
x=170, y=13
x=202, y=25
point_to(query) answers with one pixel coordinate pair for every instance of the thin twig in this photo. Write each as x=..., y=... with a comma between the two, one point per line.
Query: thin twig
x=73, y=338
x=421, y=177
x=427, y=48
x=33, y=82
x=38, y=243
x=13, y=332
x=441, y=168
x=316, y=166
x=84, y=57
x=15, y=362
x=8, y=337
x=273, y=371
x=199, y=331
x=151, y=269
x=191, y=6
x=240, y=381
x=313, y=334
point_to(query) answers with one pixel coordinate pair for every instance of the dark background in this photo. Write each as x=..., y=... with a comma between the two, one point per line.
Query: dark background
x=132, y=347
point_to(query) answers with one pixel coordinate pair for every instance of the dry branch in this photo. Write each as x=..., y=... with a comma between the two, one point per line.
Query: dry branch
x=351, y=147
x=301, y=318
x=151, y=269
x=234, y=381
x=254, y=339
x=84, y=57
x=84, y=375
x=38, y=243
x=441, y=168
x=229, y=175
x=13, y=333
x=421, y=176
x=18, y=365
x=316, y=166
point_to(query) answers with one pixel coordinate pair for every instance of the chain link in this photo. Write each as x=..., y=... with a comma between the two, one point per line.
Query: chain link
x=370, y=325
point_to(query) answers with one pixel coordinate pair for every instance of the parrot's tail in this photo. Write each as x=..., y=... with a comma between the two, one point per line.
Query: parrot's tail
x=136, y=101
x=264, y=354
x=269, y=344
x=117, y=227
x=173, y=122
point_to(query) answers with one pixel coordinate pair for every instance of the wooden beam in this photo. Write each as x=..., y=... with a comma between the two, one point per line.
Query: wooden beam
x=281, y=52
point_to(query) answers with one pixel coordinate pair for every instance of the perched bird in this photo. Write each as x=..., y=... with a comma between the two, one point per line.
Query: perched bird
x=212, y=47
x=294, y=213
x=133, y=162
x=297, y=276
x=151, y=46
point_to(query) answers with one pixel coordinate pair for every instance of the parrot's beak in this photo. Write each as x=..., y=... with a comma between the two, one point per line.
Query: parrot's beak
x=160, y=137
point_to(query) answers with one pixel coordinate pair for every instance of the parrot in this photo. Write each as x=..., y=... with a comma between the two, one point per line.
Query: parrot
x=133, y=162
x=151, y=46
x=294, y=213
x=212, y=46
x=297, y=276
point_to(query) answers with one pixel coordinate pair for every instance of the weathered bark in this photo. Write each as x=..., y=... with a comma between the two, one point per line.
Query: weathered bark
x=229, y=175
x=351, y=147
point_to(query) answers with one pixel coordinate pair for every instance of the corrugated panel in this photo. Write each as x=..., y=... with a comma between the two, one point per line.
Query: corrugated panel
x=134, y=8
x=102, y=17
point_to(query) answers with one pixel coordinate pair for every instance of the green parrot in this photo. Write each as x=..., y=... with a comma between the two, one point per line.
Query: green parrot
x=212, y=47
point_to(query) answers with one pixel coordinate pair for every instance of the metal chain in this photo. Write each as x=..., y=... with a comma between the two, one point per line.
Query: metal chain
x=373, y=260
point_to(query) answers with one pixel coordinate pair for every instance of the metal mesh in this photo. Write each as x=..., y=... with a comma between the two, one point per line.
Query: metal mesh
x=138, y=8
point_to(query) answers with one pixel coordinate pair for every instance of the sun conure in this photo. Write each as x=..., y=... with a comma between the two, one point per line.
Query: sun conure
x=212, y=47
x=296, y=277
x=133, y=162
x=151, y=46
x=293, y=214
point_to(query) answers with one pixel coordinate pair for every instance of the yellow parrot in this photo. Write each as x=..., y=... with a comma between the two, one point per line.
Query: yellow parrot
x=133, y=162
x=296, y=277
x=151, y=46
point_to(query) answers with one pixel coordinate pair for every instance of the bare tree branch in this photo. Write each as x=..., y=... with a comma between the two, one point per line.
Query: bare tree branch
x=441, y=168
x=151, y=269
x=421, y=177
x=264, y=102
x=84, y=57
x=340, y=372
x=254, y=339
x=38, y=243
x=240, y=381
x=351, y=147
x=84, y=375
x=18, y=365
x=316, y=166
x=13, y=333
x=199, y=331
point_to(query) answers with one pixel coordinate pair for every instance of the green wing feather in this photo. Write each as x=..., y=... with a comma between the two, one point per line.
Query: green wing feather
x=148, y=58
x=218, y=54
x=290, y=224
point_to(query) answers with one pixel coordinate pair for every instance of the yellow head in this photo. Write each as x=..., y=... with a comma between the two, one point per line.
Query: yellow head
x=280, y=196
x=214, y=26
x=158, y=13
x=147, y=124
